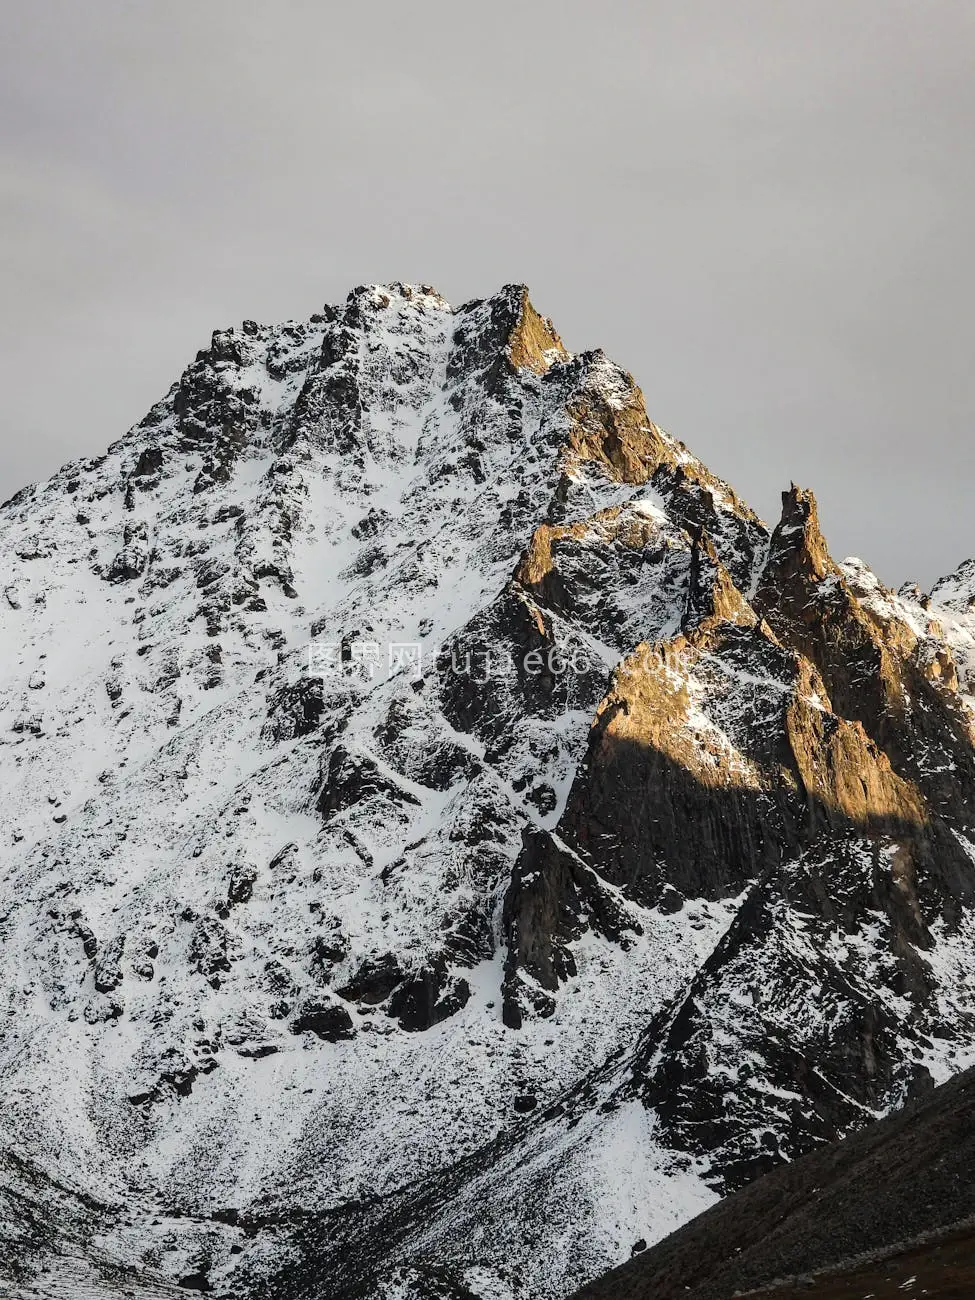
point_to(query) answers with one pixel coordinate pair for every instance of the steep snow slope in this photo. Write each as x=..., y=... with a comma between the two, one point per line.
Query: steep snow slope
x=443, y=829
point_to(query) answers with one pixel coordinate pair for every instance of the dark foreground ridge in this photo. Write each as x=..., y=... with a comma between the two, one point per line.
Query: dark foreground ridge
x=943, y=1268
x=893, y=1202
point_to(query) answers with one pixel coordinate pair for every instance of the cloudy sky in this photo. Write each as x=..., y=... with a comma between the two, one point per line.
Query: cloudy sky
x=763, y=208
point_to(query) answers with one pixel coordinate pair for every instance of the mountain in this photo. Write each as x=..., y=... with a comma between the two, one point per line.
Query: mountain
x=450, y=839
x=889, y=1211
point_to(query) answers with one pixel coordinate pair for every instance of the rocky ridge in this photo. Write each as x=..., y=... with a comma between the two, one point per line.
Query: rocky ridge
x=451, y=839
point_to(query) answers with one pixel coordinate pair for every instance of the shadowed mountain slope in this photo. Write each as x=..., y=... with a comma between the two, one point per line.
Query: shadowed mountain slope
x=899, y=1195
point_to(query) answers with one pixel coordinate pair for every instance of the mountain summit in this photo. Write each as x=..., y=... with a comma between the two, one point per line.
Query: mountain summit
x=450, y=839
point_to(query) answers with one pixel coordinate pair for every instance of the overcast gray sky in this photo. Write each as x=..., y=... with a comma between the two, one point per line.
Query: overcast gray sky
x=763, y=208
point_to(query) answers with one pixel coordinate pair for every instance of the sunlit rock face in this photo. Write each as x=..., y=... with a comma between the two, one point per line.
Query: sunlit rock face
x=449, y=838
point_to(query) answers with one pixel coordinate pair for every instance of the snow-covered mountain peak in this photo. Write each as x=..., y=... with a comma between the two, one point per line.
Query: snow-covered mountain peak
x=425, y=778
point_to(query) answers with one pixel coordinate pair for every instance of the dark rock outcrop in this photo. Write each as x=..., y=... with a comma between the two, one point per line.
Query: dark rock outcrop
x=328, y=1020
